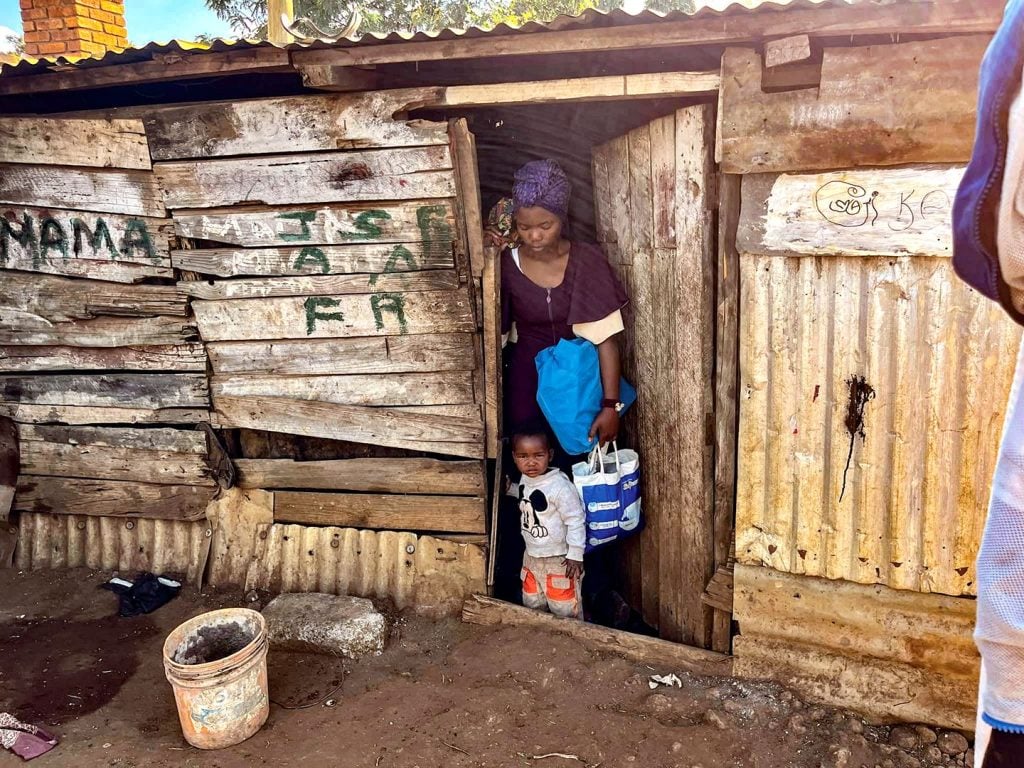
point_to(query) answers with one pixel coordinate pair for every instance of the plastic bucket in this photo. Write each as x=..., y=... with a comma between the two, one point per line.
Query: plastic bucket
x=217, y=665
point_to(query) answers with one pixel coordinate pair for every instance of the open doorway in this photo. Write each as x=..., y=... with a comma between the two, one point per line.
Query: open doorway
x=644, y=188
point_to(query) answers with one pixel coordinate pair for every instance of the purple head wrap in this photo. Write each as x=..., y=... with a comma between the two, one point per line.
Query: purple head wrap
x=542, y=183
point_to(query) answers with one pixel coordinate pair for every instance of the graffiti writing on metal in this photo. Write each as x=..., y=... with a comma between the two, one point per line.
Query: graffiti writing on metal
x=850, y=205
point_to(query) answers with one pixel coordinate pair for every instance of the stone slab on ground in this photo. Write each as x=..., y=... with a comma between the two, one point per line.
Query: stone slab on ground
x=320, y=623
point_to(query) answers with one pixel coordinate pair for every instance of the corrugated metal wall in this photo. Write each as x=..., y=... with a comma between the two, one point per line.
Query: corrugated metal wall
x=907, y=507
x=111, y=543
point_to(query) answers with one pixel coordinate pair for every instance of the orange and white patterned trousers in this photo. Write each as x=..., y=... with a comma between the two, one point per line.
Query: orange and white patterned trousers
x=547, y=588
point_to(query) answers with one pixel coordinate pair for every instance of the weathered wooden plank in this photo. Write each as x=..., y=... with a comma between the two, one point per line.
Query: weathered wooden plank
x=490, y=612
x=236, y=518
x=139, y=390
x=582, y=89
x=726, y=391
x=111, y=498
x=371, y=258
x=421, y=476
x=490, y=298
x=457, y=514
x=104, y=462
x=60, y=299
x=826, y=21
x=379, y=314
x=83, y=244
x=24, y=413
x=19, y=327
x=890, y=212
x=398, y=389
x=305, y=123
x=787, y=50
x=877, y=105
x=865, y=657
x=430, y=222
x=383, y=354
x=94, y=143
x=326, y=177
x=172, y=67
x=319, y=285
x=134, y=193
x=181, y=358
x=378, y=426
x=163, y=439
x=464, y=151
x=10, y=462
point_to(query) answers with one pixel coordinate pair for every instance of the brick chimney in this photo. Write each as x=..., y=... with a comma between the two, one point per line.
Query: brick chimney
x=73, y=28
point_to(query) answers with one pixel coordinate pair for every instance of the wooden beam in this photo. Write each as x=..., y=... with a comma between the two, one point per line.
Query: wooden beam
x=111, y=498
x=432, y=433
x=945, y=18
x=896, y=104
x=787, y=50
x=139, y=390
x=383, y=174
x=394, y=390
x=164, y=66
x=318, y=285
x=59, y=299
x=893, y=212
x=134, y=193
x=583, y=89
x=182, y=358
x=384, y=354
x=455, y=514
x=276, y=31
x=308, y=123
x=325, y=77
x=94, y=143
x=354, y=225
x=20, y=327
x=24, y=413
x=106, y=462
x=10, y=462
x=421, y=476
x=489, y=612
x=334, y=316
x=163, y=439
x=366, y=259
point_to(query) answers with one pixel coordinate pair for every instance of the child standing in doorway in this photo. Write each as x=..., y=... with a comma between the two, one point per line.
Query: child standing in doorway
x=553, y=525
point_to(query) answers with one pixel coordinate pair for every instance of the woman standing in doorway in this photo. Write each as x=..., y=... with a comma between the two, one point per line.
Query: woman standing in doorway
x=553, y=288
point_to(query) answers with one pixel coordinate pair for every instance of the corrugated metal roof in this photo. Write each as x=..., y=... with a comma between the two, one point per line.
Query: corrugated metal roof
x=589, y=19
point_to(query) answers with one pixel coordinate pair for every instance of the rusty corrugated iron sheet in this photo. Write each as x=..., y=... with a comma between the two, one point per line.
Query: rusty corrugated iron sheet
x=432, y=574
x=589, y=19
x=924, y=362
x=112, y=544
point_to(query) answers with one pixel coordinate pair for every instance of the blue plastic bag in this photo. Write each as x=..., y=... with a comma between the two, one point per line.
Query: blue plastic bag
x=569, y=392
x=609, y=484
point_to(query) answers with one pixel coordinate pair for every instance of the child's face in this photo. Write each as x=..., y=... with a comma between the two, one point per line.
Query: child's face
x=532, y=455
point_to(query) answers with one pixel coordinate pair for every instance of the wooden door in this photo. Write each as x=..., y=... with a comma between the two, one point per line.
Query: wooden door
x=655, y=192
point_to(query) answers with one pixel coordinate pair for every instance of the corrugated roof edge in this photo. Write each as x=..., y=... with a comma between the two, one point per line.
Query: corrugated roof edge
x=588, y=19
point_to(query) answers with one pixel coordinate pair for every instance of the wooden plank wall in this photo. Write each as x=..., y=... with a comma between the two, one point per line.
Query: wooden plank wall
x=85, y=346
x=308, y=272
x=655, y=190
x=872, y=381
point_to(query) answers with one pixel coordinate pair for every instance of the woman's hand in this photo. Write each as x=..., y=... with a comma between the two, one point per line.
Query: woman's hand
x=494, y=238
x=573, y=568
x=605, y=426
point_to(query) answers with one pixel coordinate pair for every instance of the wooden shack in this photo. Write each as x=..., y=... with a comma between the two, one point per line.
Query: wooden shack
x=249, y=334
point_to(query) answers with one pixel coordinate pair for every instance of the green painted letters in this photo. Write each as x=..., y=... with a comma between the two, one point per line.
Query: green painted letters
x=25, y=237
x=312, y=307
x=309, y=254
x=435, y=230
x=394, y=303
x=52, y=237
x=365, y=225
x=136, y=236
x=96, y=238
x=303, y=217
x=400, y=253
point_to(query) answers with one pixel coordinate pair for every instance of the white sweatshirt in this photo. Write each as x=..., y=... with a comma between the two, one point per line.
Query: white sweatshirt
x=551, y=515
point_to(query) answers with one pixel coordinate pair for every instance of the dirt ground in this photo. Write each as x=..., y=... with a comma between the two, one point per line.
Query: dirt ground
x=442, y=694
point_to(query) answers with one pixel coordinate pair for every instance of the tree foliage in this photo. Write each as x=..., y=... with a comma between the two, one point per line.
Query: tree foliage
x=248, y=18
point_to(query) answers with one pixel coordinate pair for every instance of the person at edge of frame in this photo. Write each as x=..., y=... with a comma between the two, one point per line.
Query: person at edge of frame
x=988, y=253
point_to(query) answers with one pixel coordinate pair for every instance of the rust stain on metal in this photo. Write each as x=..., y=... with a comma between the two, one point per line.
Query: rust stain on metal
x=861, y=393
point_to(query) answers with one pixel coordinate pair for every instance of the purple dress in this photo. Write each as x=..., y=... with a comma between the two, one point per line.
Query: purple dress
x=590, y=291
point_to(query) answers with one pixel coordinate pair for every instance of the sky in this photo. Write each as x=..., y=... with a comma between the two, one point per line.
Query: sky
x=148, y=20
